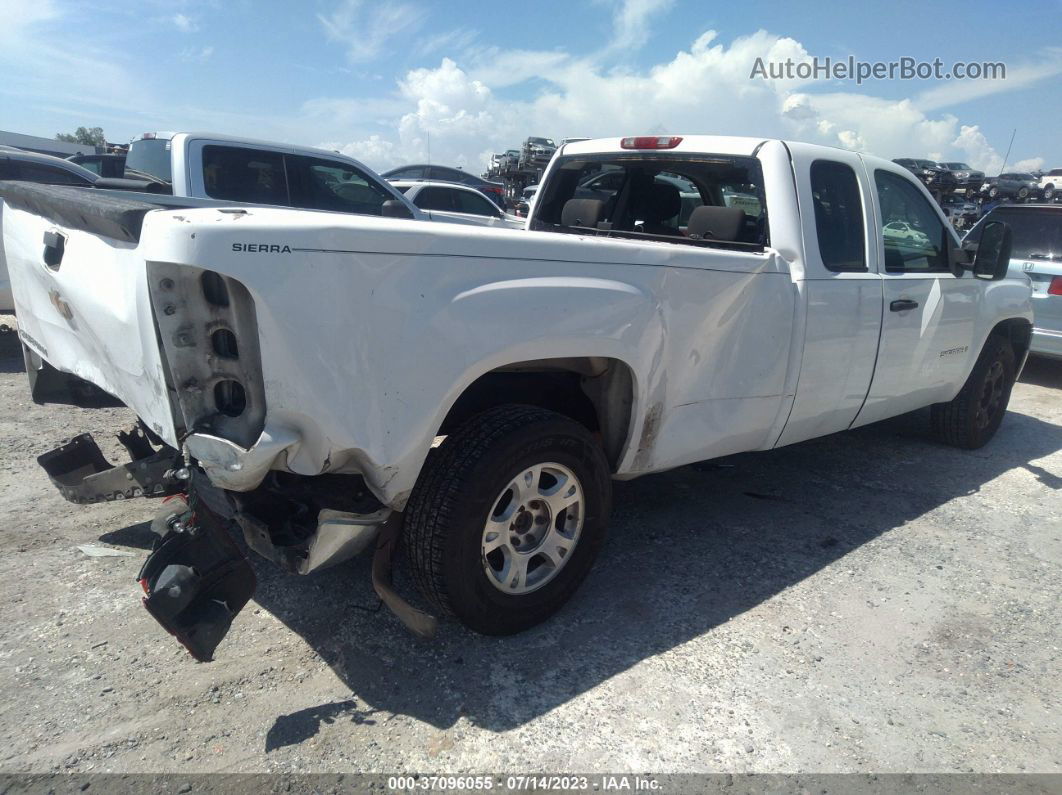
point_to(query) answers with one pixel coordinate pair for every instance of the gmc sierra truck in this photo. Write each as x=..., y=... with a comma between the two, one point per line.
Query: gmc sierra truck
x=320, y=383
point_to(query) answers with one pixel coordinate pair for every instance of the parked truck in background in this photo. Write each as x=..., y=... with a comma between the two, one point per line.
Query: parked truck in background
x=321, y=382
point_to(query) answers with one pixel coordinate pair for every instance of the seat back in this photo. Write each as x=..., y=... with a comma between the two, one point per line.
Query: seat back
x=582, y=212
x=716, y=223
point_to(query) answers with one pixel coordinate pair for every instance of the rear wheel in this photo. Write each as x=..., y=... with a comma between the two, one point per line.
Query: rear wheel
x=1049, y=192
x=507, y=518
x=973, y=417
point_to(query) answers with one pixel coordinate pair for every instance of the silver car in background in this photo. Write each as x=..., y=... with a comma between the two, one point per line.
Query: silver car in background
x=1037, y=256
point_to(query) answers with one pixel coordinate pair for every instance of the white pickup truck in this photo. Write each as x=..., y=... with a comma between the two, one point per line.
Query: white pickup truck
x=322, y=381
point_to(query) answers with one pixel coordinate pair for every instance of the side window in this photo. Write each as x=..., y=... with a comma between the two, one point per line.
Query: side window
x=435, y=199
x=6, y=170
x=47, y=175
x=413, y=172
x=234, y=173
x=319, y=184
x=914, y=236
x=468, y=202
x=95, y=166
x=838, y=216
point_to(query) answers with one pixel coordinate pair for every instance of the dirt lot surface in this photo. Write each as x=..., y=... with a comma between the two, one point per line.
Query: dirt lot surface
x=868, y=602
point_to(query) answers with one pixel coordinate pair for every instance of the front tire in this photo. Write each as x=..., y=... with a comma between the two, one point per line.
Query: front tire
x=507, y=517
x=1049, y=193
x=972, y=418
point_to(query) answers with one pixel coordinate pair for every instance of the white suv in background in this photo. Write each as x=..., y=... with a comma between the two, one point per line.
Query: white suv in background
x=1050, y=183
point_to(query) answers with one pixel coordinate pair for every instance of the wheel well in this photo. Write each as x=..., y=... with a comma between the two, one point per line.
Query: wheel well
x=1018, y=332
x=596, y=392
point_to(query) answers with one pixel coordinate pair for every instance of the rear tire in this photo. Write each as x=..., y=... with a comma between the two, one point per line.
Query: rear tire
x=1049, y=193
x=461, y=495
x=972, y=418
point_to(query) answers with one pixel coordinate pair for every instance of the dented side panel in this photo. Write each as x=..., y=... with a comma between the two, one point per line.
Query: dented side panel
x=89, y=314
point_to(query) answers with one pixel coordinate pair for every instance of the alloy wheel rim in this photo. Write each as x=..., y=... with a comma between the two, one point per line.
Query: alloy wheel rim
x=533, y=527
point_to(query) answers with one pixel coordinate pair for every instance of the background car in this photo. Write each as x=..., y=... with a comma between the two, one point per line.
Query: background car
x=536, y=152
x=449, y=201
x=523, y=204
x=967, y=179
x=901, y=230
x=937, y=179
x=1036, y=255
x=1014, y=185
x=1050, y=183
x=495, y=191
x=106, y=165
x=32, y=167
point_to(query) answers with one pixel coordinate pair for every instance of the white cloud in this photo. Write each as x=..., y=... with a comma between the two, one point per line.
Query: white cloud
x=184, y=23
x=631, y=23
x=365, y=28
x=456, y=110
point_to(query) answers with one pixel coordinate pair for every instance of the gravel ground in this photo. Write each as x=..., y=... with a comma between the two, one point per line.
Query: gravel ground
x=867, y=602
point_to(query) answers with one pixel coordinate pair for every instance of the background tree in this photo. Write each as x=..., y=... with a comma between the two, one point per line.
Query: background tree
x=89, y=136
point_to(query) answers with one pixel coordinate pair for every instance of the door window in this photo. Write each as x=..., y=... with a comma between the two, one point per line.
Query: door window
x=468, y=202
x=234, y=173
x=435, y=199
x=914, y=237
x=48, y=175
x=838, y=216
x=319, y=184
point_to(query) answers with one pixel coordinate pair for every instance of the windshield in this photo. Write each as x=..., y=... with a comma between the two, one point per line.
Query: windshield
x=150, y=156
x=541, y=141
x=1036, y=231
x=657, y=195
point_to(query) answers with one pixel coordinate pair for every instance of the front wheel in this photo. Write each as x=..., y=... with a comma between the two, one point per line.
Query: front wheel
x=1049, y=192
x=507, y=518
x=993, y=192
x=971, y=419
x=1023, y=193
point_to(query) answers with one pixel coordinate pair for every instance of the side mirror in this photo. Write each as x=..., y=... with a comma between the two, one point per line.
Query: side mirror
x=393, y=208
x=993, y=252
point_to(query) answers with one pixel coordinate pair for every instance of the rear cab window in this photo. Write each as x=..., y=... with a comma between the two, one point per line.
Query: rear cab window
x=657, y=196
x=838, y=216
x=150, y=156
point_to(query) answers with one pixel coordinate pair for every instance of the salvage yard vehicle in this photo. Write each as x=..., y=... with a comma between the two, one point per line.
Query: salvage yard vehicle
x=448, y=201
x=1037, y=256
x=1050, y=183
x=326, y=381
x=1013, y=185
x=939, y=180
x=212, y=166
x=968, y=180
x=495, y=191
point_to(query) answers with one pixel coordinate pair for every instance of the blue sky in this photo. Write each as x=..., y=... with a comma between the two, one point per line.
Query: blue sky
x=411, y=79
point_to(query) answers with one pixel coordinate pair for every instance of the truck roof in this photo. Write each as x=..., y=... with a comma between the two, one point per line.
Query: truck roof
x=238, y=139
x=693, y=144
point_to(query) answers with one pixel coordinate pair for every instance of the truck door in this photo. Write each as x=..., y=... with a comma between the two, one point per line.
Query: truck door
x=928, y=318
x=841, y=290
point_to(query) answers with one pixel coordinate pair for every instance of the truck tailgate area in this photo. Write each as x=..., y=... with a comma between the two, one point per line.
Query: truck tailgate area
x=81, y=295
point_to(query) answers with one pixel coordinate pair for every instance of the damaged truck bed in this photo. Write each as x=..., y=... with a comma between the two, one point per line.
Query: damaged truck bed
x=320, y=384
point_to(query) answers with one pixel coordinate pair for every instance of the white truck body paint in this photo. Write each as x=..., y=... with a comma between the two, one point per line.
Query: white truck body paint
x=371, y=328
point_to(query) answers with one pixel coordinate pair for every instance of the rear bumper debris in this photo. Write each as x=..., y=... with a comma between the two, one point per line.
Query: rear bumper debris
x=83, y=475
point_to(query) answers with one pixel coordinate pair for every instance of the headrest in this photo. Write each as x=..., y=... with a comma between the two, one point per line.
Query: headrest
x=716, y=223
x=582, y=212
x=660, y=202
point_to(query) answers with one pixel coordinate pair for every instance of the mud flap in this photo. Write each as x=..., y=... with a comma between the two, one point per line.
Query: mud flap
x=196, y=578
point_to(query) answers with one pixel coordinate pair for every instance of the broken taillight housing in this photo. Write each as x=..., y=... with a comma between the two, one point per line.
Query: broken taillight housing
x=1055, y=288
